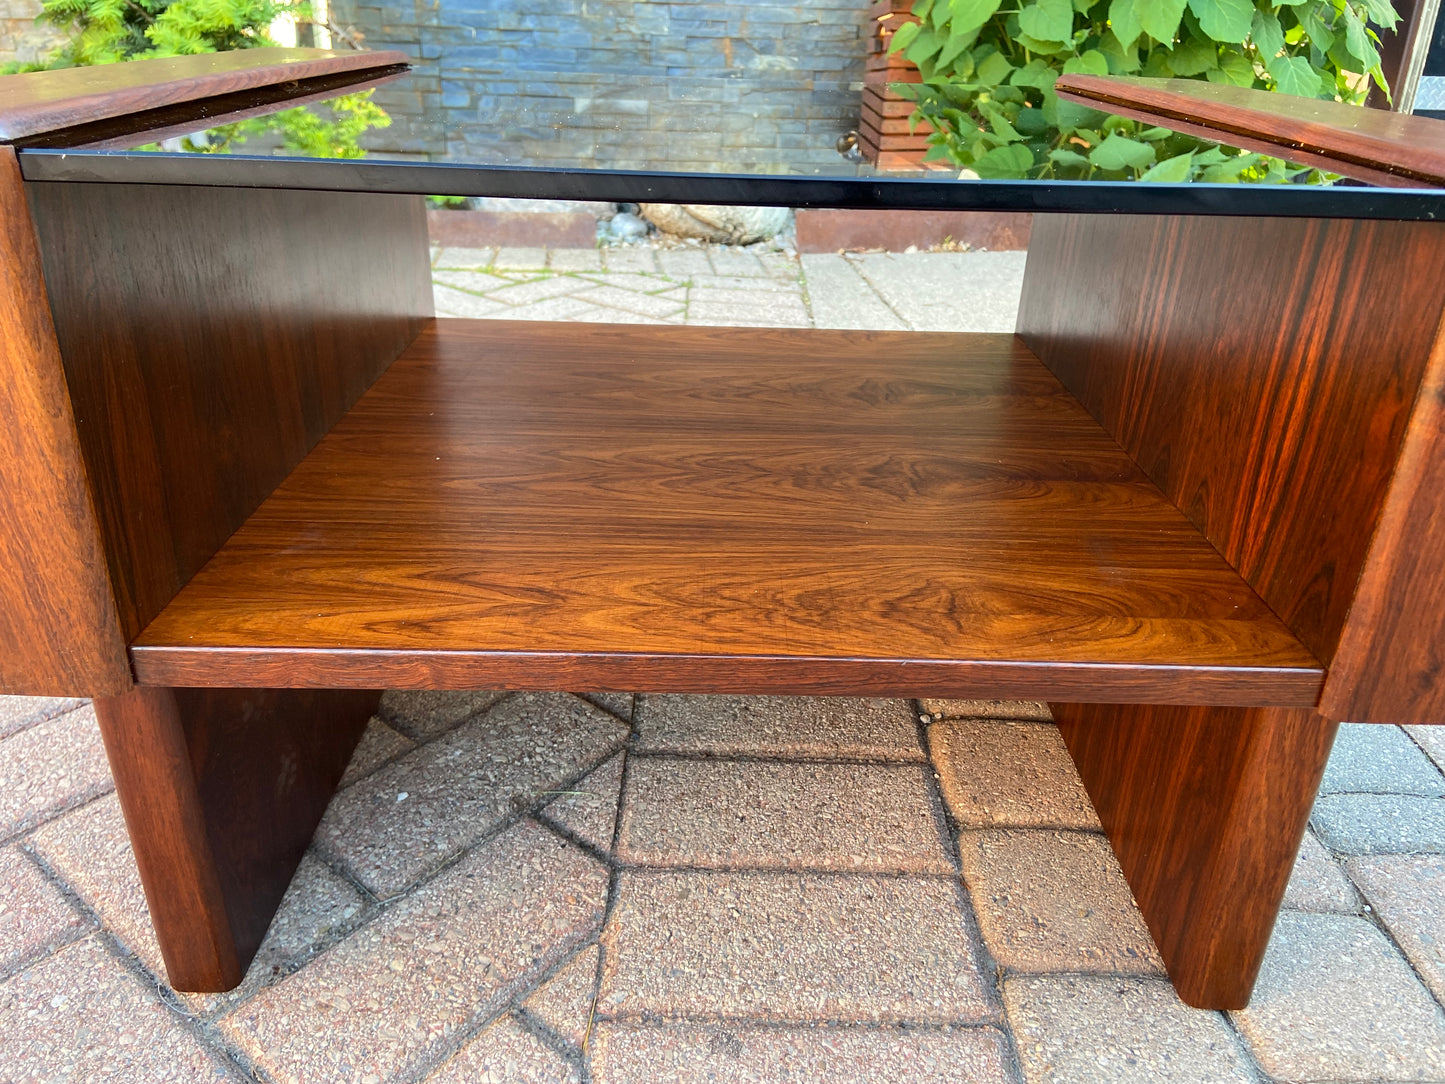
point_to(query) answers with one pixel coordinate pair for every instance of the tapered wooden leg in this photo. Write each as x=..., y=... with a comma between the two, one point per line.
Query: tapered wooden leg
x=1206, y=808
x=221, y=790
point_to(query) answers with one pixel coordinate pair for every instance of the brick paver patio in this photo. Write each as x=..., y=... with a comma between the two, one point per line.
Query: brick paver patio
x=549, y=888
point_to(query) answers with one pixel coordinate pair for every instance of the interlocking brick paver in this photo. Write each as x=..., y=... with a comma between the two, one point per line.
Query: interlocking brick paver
x=1408, y=894
x=790, y=947
x=34, y=916
x=988, y=709
x=1335, y=1001
x=733, y=261
x=684, y=263
x=564, y=1002
x=50, y=767
x=588, y=809
x=630, y=302
x=426, y=715
x=629, y=258
x=1380, y=823
x=731, y=1054
x=464, y=258
x=520, y=259
x=417, y=812
x=574, y=259
x=559, y=308
x=1008, y=773
x=779, y=265
x=450, y=302
x=542, y=289
x=733, y=287
x=1054, y=901
x=839, y=297
x=1432, y=740
x=379, y=744
x=749, y=310
x=619, y=704
x=1376, y=759
x=90, y=850
x=451, y=954
x=747, y=815
x=19, y=712
x=943, y=291
x=1317, y=882
x=800, y=726
x=1073, y=1029
x=633, y=282
x=79, y=1015
x=505, y=1053
x=477, y=282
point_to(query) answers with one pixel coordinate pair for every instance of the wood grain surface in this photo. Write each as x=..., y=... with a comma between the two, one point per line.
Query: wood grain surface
x=81, y=105
x=1205, y=808
x=1392, y=654
x=513, y=502
x=1393, y=149
x=211, y=336
x=221, y=791
x=1261, y=371
x=59, y=631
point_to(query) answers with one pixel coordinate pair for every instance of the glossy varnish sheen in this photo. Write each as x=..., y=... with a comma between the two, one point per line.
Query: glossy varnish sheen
x=210, y=337
x=514, y=503
x=1261, y=371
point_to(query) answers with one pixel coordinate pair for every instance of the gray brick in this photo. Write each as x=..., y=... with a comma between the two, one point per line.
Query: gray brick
x=1380, y=823
x=872, y=729
x=1378, y=759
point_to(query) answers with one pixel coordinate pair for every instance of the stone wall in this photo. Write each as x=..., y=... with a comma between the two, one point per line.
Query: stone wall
x=745, y=85
x=20, y=39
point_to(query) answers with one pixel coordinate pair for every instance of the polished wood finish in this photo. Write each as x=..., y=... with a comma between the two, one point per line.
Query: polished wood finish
x=1205, y=808
x=1391, y=659
x=724, y=508
x=1254, y=370
x=86, y=105
x=59, y=630
x=221, y=791
x=1392, y=149
x=210, y=338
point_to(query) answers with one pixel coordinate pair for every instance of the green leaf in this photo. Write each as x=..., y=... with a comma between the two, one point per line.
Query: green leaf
x=1068, y=158
x=1295, y=75
x=1032, y=122
x=1312, y=22
x=1048, y=20
x=1267, y=35
x=1036, y=73
x=999, y=122
x=956, y=46
x=1160, y=18
x=1122, y=60
x=921, y=8
x=1124, y=22
x=1193, y=57
x=1091, y=62
x=1357, y=41
x=1004, y=163
x=994, y=70
x=1234, y=70
x=1226, y=21
x=1382, y=13
x=903, y=37
x=966, y=15
x=1119, y=152
x=1171, y=170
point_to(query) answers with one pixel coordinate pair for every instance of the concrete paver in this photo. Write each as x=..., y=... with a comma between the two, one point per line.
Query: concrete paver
x=79, y=1015
x=1374, y=759
x=564, y=1002
x=1432, y=740
x=418, y=812
x=588, y=808
x=35, y=918
x=1408, y=894
x=936, y=291
x=1336, y=1002
x=840, y=297
x=574, y=259
x=460, y=303
x=731, y=814
x=379, y=745
x=520, y=259
x=987, y=709
x=503, y=1053
x=397, y=992
x=778, y=726
x=788, y=947
x=19, y=712
x=1009, y=774
x=1055, y=901
x=638, y=258
x=1318, y=883
x=422, y=716
x=731, y=1054
x=1077, y=1029
x=50, y=767
x=1380, y=823
x=464, y=258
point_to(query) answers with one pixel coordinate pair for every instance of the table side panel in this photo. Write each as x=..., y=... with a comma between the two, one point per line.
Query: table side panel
x=210, y=338
x=59, y=629
x=1261, y=371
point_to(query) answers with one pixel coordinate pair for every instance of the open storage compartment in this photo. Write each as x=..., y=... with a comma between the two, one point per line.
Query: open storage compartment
x=724, y=509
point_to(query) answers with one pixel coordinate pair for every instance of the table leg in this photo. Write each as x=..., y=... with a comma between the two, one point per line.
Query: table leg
x=1205, y=808
x=221, y=790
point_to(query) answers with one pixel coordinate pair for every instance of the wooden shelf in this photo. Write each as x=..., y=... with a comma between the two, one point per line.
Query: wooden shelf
x=724, y=509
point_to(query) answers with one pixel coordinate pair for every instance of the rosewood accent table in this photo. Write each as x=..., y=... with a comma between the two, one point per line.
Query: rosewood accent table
x=1195, y=502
